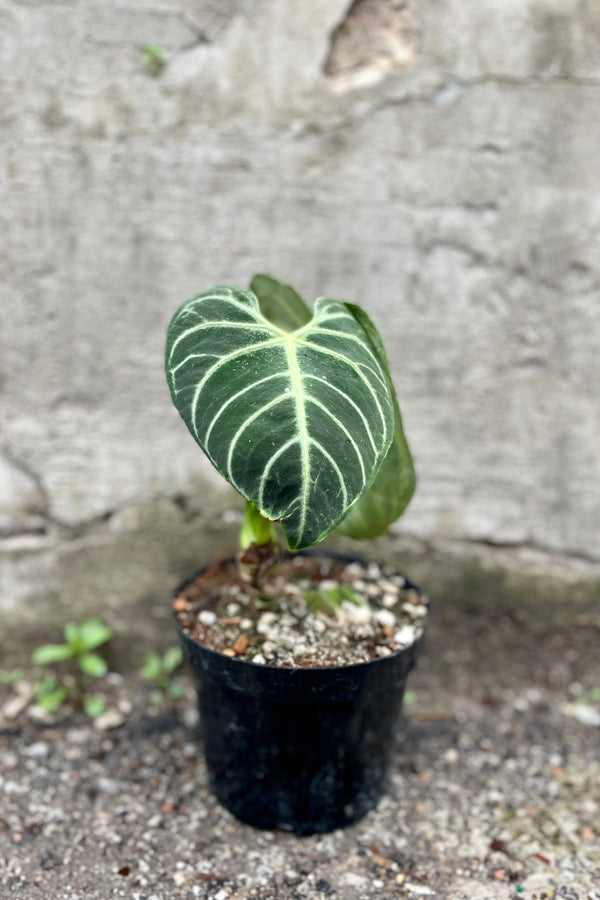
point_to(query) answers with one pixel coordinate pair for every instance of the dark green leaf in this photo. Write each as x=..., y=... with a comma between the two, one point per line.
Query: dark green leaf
x=394, y=485
x=298, y=422
x=279, y=303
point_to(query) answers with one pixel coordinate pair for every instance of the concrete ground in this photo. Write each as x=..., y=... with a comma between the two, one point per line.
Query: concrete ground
x=494, y=793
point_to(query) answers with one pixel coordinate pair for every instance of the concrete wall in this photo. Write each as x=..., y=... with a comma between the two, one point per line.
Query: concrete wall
x=436, y=161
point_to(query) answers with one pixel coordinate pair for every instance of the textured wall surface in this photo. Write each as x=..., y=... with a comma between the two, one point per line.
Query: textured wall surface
x=436, y=161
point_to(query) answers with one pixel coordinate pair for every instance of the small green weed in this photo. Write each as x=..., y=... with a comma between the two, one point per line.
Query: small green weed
x=80, y=641
x=330, y=601
x=78, y=648
x=94, y=706
x=50, y=693
x=159, y=669
x=10, y=676
x=581, y=696
x=154, y=58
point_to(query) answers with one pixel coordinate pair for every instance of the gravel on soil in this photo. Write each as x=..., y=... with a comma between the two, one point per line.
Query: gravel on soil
x=377, y=614
x=494, y=793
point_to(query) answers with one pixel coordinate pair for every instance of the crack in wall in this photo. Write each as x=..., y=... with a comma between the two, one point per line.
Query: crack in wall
x=534, y=547
x=24, y=502
x=61, y=533
x=200, y=36
x=58, y=530
x=445, y=91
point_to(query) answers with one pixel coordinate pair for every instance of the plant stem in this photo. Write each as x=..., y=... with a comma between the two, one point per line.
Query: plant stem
x=256, y=529
x=259, y=548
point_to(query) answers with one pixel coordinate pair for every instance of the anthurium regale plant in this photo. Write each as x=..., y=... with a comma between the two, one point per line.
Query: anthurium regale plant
x=298, y=412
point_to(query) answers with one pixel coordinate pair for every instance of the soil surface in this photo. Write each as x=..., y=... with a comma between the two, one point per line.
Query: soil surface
x=356, y=612
x=494, y=793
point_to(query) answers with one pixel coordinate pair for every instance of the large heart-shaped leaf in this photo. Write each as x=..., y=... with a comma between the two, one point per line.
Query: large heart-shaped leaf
x=299, y=422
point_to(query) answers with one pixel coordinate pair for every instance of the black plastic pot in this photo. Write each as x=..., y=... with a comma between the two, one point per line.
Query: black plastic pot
x=304, y=750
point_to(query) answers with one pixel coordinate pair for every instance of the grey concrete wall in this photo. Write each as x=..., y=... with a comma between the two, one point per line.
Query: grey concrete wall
x=436, y=161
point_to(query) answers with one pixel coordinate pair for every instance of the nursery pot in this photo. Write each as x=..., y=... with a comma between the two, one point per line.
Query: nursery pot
x=298, y=749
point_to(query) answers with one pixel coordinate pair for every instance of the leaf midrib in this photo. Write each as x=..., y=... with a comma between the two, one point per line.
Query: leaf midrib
x=290, y=344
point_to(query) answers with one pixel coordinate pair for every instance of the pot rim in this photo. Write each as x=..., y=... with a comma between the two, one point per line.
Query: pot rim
x=293, y=670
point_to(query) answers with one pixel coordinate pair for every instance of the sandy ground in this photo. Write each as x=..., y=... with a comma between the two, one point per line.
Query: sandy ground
x=494, y=793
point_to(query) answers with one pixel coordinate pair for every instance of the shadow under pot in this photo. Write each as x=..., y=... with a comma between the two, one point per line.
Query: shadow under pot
x=301, y=749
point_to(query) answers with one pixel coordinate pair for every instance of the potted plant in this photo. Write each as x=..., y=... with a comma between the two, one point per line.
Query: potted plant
x=300, y=659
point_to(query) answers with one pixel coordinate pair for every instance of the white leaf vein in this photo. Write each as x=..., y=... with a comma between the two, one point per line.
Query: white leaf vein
x=335, y=467
x=272, y=460
x=352, y=403
x=236, y=396
x=248, y=326
x=302, y=429
x=357, y=368
x=244, y=426
x=343, y=428
x=222, y=361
